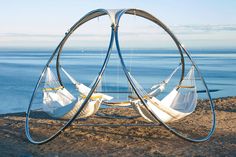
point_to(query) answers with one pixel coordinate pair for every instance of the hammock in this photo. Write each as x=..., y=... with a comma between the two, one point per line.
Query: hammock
x=154, y=90
x=160, y=87
x=54, y=95
x=180, y=102
x=58, y=102
x=83, y=89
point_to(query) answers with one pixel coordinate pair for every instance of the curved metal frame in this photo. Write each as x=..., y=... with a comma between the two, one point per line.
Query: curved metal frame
x=148, y=16
x=114, y=36
x=89, y=16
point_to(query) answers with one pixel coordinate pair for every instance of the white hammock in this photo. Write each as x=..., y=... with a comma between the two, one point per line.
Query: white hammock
x=54, y=95
x=68, y=111
x=83, y=89
x=160, y=87
x=58, y=102
x=154, y=91
x=180, y=102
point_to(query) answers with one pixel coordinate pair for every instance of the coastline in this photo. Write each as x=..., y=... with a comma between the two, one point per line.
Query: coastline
x=122, y=140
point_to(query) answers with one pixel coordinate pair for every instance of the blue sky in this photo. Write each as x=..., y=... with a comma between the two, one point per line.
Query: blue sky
x=199, y=24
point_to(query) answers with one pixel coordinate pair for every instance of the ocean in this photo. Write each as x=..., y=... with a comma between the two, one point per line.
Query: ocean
x=20, y=70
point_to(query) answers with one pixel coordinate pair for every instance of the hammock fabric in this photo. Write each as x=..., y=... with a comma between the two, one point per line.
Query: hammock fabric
x=180, y=102
x=60, y=103
x=160, y=87
x=69, y=111
x=154, y=91
x=54, y=95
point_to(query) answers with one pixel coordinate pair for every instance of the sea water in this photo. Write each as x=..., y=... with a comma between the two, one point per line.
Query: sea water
x=20, y=70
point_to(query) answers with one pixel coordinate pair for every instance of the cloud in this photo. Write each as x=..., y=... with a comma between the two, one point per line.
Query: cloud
x=27, y=35
x=139, y=30
x=48, y=35
x=153, y=30
x=192, y=29
x=141, y=35
x=187, y=29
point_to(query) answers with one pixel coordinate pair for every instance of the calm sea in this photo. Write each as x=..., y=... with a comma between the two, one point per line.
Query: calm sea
x=19, y=71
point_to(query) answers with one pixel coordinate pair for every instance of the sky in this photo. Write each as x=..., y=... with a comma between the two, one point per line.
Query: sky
x=198, y=24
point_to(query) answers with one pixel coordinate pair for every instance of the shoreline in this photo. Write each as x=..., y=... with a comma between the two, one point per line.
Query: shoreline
x=122, y=140
x=23, y=112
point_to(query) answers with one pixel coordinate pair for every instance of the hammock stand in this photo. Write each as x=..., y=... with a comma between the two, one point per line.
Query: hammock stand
x=115, y=16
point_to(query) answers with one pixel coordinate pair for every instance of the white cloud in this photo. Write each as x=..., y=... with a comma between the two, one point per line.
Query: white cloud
x=142, y=36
